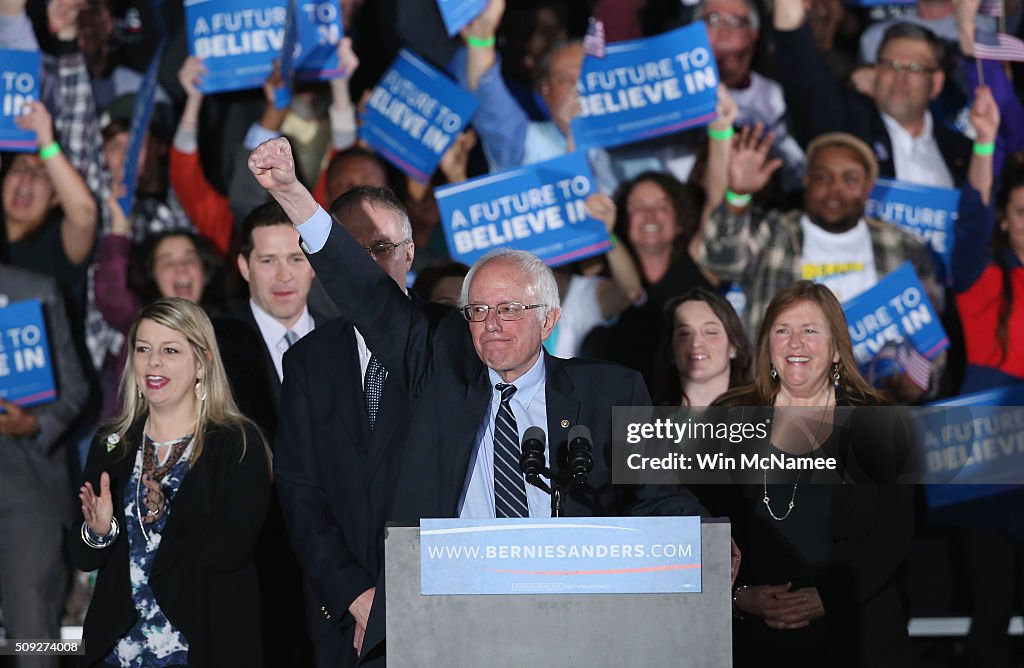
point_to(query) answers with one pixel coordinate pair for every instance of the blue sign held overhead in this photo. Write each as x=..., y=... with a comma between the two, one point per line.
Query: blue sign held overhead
x=414, y=114
x=320, y=30
x=237, y=40
x=538, y=208
x=895, y=312
x=927, y=212
x=19, y=85
x=645, y=88
x=610, y=555
x=26, y=374
x=457, y=13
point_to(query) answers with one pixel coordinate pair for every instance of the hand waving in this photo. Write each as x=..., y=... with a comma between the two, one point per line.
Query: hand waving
x=749, y=166
x=97, y=510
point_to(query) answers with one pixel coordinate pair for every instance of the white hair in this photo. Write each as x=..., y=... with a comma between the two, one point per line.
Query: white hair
x=540, y=280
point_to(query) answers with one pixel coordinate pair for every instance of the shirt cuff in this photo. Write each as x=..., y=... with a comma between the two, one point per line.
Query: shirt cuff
x=258, y=134
x=314, y=232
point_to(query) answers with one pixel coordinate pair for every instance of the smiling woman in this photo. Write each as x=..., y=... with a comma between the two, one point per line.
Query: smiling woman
x=175, y=493
x=812, y=590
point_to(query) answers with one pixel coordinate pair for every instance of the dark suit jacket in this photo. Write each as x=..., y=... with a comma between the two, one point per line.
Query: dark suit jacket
x=257, y=390
x=431, y=354
x=203, y=577
x=249, y=366
x=817, y=104
x=336, y=478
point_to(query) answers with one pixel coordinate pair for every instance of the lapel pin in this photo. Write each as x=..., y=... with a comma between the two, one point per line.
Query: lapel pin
x=112, y=442
x=565, y=423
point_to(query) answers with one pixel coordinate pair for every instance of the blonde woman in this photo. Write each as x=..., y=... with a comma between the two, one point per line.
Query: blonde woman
x=175, y=492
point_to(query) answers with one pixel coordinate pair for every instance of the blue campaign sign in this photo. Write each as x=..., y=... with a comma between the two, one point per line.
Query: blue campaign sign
x=26, y=374
x=538, y=208
x=286, y=59
x=414, y=114
x=457, y=13
x=320, y=30
x=19, y=77
x=237, y=40
x=142, y=111
x=926, y=212
x=593, y=555
x=646, y=88
x=975, y=444
x=895, y=311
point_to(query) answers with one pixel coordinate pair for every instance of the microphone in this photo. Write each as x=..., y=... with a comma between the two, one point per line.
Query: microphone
x=581, y=458
x=531, y=458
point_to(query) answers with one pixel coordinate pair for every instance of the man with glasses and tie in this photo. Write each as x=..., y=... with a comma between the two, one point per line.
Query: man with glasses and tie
x=253, y=338
x=475, y=386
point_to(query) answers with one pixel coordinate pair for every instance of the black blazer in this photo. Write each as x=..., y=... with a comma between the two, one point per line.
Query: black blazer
x=203, y=576
x=249, y=367
x=816, y=104
x=336, y=478
x=430, y=353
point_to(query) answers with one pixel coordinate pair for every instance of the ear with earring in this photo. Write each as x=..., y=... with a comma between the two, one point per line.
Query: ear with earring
x=835, y=376
x=200, y=390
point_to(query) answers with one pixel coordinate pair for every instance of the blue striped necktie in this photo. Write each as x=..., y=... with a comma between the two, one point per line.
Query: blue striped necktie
x=509, y=483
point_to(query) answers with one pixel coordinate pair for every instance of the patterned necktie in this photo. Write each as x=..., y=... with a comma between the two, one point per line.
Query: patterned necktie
x=373, y=385
x=290, y=338
x=509, y=484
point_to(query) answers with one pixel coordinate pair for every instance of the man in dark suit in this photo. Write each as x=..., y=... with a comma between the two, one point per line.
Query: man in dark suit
x=344, y=424
x=474, y=388
x=908, y=143
x=253, y=338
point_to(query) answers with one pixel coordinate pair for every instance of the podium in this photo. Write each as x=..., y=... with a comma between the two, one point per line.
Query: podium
x=593, y=630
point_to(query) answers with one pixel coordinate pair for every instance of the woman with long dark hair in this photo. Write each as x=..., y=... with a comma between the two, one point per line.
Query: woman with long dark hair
x=704, y=351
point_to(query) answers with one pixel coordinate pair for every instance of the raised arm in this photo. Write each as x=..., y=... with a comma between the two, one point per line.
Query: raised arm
x=78, y=227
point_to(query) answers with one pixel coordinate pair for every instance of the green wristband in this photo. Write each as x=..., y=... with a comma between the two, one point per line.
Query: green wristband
x=737, y=200
x=480, y=42
x=986, y=148
x=49, y=151
x=722, y=135
x=613, y=239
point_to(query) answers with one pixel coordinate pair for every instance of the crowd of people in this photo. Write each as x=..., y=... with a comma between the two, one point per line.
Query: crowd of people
x=271, y=353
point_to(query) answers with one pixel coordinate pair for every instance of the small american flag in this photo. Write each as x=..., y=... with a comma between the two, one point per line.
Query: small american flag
x=593, y=41
x=915, y=365
x=991, y=8
x=998, y=46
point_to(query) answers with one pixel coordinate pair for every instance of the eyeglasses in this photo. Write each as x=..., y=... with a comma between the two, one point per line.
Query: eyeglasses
x=34, y=173
x=897, y=66
x=505, y=311
x=714, y=20
x=384, y=248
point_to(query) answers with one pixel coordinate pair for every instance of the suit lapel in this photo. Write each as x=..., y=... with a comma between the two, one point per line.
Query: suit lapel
x=456, y=455
x=268, y=361
x=563, y=408
x=349, y=402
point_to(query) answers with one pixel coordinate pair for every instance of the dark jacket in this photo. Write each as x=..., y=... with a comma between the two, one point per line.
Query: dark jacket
x=203, y=576
x=817, y=104
x=430, y=353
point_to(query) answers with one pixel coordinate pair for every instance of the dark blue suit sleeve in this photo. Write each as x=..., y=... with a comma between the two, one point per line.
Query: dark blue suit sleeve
x=335, y=574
